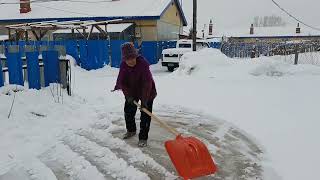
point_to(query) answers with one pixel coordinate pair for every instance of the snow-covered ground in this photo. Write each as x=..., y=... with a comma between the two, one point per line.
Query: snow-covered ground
x=258, y=117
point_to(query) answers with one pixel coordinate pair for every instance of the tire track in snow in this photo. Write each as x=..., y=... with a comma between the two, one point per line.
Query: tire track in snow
x=134, y=156
x=69, y=165
x=30, y=168
x=103, y=158
x=157, y=137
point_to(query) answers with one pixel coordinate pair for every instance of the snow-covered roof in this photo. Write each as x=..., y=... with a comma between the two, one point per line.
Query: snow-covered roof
x=86, y=9
x=282, y=31
x=4, y=37
x=110, y=28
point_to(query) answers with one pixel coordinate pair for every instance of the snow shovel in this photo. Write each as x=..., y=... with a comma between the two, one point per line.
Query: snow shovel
x=189, y=155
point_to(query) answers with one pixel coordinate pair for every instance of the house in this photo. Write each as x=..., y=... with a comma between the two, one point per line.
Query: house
x=270, y=34
x=153, y=20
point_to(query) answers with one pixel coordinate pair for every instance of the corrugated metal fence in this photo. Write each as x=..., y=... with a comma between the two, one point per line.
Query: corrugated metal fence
x=89, y=54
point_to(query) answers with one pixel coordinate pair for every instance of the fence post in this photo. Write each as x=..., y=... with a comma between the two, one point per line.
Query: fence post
x=296, y=56
x=1, y=72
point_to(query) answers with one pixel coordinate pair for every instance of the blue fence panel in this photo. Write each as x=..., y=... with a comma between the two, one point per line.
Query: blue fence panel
x=51, y=67
x=150, y=51
x=37, y=44
x=93, y=59
x=31, y=43
x=83, y=61
x=172, y=44
x=72, y=50
x=1, y=75
x=116, y=52
x=14, y=63
x=21, y=44
x=103, y=53
x=33, y=70
x=216, y=45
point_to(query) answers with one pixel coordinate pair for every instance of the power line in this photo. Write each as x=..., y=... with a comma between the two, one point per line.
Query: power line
x=292, y=16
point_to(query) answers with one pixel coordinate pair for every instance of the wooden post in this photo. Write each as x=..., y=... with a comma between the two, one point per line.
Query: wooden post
x=26, y=36
x=194, y=28
x=73, y=35
x=9, y=34
x=17, y=35
x=296, y=56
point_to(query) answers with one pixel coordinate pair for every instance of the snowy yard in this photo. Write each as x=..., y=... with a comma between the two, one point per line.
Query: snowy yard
x=259, y=119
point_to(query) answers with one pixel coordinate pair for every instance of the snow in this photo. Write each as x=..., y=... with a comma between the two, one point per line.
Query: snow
x=4, y=37
x=271, y=101
x=237, y=19
x=110, y=28
x=176, y=50
x=84, y=8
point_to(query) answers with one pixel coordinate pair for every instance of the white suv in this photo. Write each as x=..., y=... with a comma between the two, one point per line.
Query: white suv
x=171, y=57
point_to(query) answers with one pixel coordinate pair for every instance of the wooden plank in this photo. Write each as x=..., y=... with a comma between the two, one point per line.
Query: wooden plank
x=101, y=30
x=101, y=22
x=90, y=32
x=35, y=34
x=81, y=33
x=43, y=33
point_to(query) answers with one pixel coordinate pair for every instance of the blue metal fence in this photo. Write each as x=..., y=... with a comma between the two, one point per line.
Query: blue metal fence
x=116, y=52
x=1, y=75
x=92, y=54
x=150, y=51
x=33, y=70
x=14, y=63
x=51, y=67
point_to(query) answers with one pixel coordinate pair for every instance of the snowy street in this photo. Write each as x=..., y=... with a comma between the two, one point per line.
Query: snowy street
x=228, y=107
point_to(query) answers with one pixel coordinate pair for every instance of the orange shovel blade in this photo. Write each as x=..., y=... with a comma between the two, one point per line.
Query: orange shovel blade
x=190, y=157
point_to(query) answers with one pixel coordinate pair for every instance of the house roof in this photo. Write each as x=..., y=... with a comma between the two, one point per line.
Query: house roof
x=45, y=10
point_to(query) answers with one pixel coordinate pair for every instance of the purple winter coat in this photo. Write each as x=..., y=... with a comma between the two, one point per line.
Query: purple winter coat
x=137, y=81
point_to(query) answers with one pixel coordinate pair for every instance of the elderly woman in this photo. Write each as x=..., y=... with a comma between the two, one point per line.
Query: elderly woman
x=136, y=82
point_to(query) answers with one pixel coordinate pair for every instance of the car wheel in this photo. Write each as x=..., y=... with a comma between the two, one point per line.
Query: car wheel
x=170, y=69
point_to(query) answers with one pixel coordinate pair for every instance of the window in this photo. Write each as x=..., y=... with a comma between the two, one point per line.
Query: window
x=184, y=45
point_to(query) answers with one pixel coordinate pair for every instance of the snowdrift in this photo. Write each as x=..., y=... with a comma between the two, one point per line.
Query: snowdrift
x=211, y=62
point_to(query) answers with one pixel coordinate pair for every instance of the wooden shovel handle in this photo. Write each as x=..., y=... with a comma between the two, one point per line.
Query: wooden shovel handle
x=162, y=123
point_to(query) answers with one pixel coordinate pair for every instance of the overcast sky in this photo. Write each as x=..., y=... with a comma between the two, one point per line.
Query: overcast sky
x=240, y=13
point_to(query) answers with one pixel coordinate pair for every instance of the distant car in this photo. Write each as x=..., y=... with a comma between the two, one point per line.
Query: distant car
x=172, y=56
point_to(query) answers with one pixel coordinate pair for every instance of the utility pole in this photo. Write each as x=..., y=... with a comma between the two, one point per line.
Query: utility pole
x=194, y=27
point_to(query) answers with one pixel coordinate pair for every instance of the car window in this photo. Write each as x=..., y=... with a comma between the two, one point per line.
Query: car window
x=184, y=45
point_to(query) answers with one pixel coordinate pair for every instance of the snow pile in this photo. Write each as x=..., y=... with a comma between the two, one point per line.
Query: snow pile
x=212, y=63
x=11, y=89
x=202, y=62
